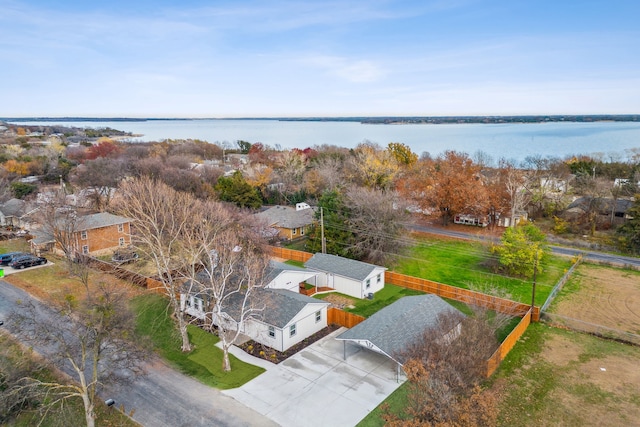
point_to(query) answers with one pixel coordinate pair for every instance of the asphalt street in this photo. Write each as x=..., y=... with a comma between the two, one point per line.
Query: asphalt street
x=163, y=397
x=600, y=257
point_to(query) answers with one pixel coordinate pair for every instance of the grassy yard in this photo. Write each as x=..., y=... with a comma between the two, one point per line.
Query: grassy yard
x=204, y=362
x=466, y=264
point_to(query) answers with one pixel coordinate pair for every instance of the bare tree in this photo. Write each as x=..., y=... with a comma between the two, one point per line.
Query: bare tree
x=62, y=224
x=445, y=375
x=232, y=264
x=162, y=217
x=88, y=339
x=376, y=220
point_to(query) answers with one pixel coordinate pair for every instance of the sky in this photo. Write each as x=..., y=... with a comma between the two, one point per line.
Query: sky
x=276, y=58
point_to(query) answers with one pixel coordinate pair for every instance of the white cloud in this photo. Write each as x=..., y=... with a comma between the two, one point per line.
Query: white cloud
x=351, y=70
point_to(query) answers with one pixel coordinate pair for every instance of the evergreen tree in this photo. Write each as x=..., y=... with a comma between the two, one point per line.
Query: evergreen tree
x=237, y=190
x=629, y=232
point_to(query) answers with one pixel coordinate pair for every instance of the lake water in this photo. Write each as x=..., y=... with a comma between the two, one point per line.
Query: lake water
x=511, y=140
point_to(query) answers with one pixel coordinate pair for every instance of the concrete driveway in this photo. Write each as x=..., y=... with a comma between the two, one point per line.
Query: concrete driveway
x=317, y=387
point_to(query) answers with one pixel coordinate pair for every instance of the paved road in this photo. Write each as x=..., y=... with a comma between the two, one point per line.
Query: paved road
x=600, y=257
x=163, y=397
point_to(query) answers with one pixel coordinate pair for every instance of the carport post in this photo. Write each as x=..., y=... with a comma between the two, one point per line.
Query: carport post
x=344, y=349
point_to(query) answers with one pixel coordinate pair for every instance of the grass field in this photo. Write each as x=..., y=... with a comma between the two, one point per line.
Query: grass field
x=466, y=264
x=204, y=362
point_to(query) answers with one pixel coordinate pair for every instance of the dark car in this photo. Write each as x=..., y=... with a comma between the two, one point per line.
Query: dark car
x=5, y=259
x=27, y=261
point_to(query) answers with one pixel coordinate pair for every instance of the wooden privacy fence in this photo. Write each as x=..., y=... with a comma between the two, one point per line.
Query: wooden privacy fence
x=467, y=296
x=291, y=254
x=343, y=318
x=124, y=274
x=498, y=356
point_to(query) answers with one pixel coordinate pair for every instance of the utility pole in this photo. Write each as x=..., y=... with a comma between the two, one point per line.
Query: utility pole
x=533, y=293
x=322, y=240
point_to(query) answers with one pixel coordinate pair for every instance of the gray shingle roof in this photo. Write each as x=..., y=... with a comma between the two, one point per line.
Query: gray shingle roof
x=287, y=217
x=283, y=306
x=397, y=325
x=346, y=267
x=99, y=220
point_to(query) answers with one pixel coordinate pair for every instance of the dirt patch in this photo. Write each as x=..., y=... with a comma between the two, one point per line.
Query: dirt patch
x=560, y=351
x=578, y=380
x=602, y=296
x=339, y=301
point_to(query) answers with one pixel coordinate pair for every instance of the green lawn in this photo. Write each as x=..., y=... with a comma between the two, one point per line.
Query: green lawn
x=466, y=264
x=204, y=362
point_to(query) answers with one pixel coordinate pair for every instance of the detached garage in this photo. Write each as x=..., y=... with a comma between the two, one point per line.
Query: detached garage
x=347, y=276
x=391, y=330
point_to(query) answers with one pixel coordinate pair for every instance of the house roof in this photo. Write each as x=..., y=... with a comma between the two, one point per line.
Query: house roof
x=283, y=305
x=13, y=207
x=275, y=268
x=287, y=216
x=396, y=326
x=99, y=220
x=346, y=267
x=603, y=204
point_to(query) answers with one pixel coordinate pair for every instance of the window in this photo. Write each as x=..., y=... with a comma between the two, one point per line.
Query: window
x=368, y=283
x=85, y=249
x=318, y=316
x=292, y=330
x=120, y=228
x=302, y=231
x=83, y=235
x=121, y=241
x=379, y=278
x=295, y=231
x=272, y=331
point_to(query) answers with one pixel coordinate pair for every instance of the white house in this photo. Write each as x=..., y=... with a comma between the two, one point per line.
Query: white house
x=283, y=317
x=289, y=277
x=350, y=277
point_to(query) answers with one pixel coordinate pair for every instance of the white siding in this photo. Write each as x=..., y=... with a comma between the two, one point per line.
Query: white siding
x=290, y=280
x=306, y=324
x=348, y=286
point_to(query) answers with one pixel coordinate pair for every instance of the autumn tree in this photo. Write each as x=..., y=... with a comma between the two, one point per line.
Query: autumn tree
x=402, y=153
x=104, y=148
x=451, y=184
x=90, y=339
x=371, y=166
x=629, y=232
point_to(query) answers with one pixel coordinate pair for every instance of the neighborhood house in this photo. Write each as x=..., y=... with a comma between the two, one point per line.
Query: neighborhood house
x=93, y=234
x=350, y=277
x=289, y=223
x=283, y=318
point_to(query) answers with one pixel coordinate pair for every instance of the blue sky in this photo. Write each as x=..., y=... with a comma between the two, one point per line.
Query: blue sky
x=199, y=58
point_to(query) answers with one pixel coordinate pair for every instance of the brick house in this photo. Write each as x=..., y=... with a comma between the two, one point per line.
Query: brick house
x=94, y=234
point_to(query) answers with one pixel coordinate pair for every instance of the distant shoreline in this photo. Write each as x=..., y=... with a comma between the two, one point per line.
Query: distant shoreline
x=393, y=120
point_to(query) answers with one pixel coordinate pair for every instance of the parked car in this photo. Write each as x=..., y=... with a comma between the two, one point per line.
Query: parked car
x=27, y=261
x=5, y=259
